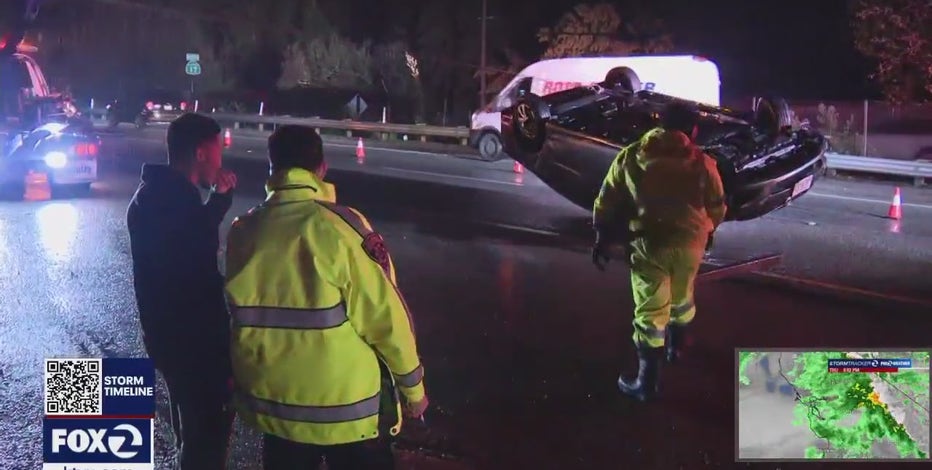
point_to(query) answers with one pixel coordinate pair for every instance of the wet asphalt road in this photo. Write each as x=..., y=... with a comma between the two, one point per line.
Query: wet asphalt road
x=522, y=339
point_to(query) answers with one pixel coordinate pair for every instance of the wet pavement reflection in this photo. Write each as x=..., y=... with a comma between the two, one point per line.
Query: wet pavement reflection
x=521, y=337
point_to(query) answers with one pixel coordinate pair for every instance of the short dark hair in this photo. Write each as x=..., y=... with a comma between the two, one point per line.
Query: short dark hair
x=678, y=117
x=186, y=133
x=295, y=146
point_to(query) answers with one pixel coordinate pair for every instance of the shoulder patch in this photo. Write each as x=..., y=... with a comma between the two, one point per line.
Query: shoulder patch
x=374, y=245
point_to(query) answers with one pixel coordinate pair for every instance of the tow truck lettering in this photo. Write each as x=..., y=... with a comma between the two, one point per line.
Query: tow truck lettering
x=553, y=87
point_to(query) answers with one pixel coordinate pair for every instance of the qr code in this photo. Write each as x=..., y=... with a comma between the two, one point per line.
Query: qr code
x=73, y=387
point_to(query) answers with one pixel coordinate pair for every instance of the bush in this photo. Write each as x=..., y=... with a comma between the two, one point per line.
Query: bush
x=842, y=138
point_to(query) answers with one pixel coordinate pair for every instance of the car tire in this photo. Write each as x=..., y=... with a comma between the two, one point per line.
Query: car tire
x=70, y=190
x=529, y=123
x=771, y=116
x=140, y=122
x=112, y=120
x=623, y=79
x=490, y=147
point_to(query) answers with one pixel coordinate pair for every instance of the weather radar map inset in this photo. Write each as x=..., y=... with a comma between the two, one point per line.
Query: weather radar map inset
x=838, y=405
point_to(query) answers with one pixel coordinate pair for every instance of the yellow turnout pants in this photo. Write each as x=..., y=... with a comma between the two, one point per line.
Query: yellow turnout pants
x=662, y=282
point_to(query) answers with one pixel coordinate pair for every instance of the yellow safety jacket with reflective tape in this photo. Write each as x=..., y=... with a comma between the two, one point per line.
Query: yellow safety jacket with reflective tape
x=665, y=188
x=314, y=308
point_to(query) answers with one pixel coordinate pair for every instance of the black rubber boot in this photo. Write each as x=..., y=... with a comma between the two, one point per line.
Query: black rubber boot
x=647, y=383
x=674, y=342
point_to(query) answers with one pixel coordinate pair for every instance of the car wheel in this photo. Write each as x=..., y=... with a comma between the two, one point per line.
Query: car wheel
x=140, y=122
x=490, y=147
x=70, y=190
x=112, y=120
x=622, y=79
x=529, y=121
x=772, y=116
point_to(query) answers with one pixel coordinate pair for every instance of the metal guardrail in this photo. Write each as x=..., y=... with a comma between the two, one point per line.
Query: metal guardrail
x=386, y=129
x=919, y=170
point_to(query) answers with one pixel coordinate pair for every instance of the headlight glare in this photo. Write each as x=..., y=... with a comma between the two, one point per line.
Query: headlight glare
x=56, y=159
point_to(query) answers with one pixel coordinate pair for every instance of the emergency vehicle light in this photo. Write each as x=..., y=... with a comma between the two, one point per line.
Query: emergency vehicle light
x=150, y=105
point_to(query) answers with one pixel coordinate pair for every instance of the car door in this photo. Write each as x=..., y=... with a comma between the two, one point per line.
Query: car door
x=571, y=163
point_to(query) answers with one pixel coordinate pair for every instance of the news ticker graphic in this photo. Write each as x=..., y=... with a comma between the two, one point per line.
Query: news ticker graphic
x=869, y=366
x=99, y=414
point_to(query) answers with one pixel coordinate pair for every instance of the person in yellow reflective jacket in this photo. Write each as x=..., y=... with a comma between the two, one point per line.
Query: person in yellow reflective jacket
x=321, y=335
x=663, y=198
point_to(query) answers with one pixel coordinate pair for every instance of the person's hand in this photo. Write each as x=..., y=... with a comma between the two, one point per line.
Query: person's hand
x=600, y=257
x=415, y=410
x=226, y=181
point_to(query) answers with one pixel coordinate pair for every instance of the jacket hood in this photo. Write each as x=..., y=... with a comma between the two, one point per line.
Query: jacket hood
x=282, y=181
x=660, y=144
x=169, y=183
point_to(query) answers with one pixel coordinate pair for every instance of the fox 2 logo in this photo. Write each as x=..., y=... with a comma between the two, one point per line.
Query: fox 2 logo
x=104, y=440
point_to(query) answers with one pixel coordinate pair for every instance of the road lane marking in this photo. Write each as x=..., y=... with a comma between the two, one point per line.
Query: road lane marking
x=446, y=175
x=518, y=228
x=842, y=289
x=863, y=199
x=385, y=149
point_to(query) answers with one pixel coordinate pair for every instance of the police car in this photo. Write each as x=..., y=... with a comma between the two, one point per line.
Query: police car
x=65, y=153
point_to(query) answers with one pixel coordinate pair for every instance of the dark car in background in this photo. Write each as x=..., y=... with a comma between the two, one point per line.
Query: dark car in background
x=146, y=107
x=65, y=152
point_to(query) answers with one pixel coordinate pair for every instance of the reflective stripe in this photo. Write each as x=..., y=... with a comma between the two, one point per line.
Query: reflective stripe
x=313, y=414
x=411, y=378
x=654, y=332
x=356, y=222
x=349, y=217
x=298, y=318
x=681, y=309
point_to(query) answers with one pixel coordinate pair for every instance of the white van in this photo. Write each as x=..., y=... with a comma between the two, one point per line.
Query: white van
x=689, y=77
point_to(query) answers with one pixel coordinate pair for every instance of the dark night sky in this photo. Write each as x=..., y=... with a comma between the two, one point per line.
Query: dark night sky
x=795, y=48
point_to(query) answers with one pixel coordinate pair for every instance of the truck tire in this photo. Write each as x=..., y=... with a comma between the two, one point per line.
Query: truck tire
x=490, y=147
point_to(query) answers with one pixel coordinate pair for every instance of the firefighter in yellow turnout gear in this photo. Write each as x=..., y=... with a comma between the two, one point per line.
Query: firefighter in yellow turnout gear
x=321, y=336
x=663, y=198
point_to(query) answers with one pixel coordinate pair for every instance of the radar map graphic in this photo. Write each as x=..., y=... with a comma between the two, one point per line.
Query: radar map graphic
x=833, y=405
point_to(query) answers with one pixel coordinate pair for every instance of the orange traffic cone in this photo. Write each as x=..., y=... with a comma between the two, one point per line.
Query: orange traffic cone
x=227, y=138
x=517, y=167
x=37, y=187
x=896, y=209
x=360, y=151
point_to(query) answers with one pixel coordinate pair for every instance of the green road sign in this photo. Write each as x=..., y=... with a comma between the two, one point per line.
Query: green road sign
x=192, y=68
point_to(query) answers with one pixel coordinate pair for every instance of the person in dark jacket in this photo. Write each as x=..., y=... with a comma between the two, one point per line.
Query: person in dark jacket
x=175, y=241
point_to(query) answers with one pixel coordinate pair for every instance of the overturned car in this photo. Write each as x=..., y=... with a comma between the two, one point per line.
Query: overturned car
x=570, y=138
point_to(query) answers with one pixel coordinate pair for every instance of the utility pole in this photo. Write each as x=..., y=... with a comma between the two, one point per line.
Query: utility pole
x=482, y=47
